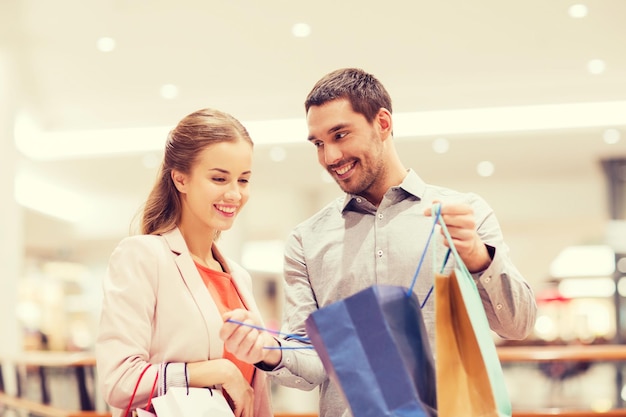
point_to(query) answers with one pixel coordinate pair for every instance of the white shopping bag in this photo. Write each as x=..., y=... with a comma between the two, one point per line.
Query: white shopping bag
x=140, y=412
x=192, y=402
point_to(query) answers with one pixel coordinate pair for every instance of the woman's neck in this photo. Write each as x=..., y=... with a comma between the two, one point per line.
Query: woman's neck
x=200, y=244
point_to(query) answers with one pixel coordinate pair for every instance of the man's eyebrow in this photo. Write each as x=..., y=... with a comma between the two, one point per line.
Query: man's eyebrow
x=333, y=129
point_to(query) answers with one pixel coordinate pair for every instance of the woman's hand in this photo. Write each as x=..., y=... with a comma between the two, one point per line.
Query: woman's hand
x=248, y=343
x=240, y=392
x=225, y=373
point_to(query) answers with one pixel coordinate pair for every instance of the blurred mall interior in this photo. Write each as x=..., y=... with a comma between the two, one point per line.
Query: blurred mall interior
x=524, y=104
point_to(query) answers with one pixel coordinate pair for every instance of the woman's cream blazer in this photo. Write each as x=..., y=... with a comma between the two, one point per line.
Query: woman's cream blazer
x=157, y=309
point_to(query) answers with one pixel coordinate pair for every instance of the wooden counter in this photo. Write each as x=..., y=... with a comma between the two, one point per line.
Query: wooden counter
x=597, y=353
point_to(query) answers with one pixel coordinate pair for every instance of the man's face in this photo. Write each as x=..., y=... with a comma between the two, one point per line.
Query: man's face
x=348, y=147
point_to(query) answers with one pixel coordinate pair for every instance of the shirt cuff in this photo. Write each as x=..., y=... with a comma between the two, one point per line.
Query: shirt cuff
x=268, y=368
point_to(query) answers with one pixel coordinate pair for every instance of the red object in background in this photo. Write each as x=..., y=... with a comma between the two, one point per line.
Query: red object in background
x=550, y=295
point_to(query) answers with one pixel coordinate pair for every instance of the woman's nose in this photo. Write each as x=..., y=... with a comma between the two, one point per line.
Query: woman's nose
x=233, y=193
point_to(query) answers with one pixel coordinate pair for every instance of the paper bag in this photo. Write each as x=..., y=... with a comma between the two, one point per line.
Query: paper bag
x=470, y=381
x=192, y=402
x=374, y=346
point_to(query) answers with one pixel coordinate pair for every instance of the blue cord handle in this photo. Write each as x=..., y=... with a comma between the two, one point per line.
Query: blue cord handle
x=438, y=219
x=276, y=332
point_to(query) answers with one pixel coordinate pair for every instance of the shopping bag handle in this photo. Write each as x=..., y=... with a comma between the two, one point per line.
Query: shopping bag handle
x=436, y=213
x=132, y=397
x=438, y=218
x=451, y=247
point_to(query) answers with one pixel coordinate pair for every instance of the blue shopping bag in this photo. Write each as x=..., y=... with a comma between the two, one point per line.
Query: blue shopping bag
x=374, y=346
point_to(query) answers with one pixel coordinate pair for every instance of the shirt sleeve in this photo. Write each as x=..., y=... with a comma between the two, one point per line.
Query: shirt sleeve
x=506, y=296
x=300, y=366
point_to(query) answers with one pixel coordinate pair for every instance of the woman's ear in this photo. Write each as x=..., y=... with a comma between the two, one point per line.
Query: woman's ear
x=180, y=180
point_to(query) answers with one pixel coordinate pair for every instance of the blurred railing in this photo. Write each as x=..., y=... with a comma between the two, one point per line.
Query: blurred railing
x=507, y=354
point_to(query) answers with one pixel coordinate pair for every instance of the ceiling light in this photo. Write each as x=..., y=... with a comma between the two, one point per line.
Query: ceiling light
x=596, y=66
x=545, y=327
x=577, y=11
x=169, y=91
x=46, y=196
x=105, y=44
x=37, y=144
x=621, y=286
x=441, y=145
x=611, y=136
x=587, y=287
x=301, y=30
x=485, y=168
x=584, y=261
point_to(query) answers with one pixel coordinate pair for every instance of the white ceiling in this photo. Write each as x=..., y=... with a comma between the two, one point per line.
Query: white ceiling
x=240, y=56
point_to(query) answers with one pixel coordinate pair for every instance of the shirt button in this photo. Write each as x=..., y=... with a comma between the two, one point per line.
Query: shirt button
x=487, y=279
x=379, y=253
x=380, y=215
x=288, y=360
x=499, y=307
x=298, y=381
x=358, y=200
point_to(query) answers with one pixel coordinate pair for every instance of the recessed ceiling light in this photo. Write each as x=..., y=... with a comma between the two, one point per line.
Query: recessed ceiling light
x=301, y=30
x=577, y=11
x=105, y=44
x=611, y=136
x=441, y=145
x=596, y=66
x=485, y=169
x=169, y=91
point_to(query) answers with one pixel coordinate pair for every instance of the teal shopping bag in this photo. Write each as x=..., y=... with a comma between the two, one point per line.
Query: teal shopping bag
x=470, y=381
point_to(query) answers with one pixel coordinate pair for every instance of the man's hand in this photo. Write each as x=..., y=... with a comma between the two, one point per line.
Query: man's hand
x=461, y=224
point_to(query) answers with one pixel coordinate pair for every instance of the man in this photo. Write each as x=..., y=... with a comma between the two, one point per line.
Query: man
x=375, y=234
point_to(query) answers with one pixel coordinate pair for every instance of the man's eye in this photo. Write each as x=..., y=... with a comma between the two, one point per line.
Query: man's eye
x=341, y=135
x=318, y=144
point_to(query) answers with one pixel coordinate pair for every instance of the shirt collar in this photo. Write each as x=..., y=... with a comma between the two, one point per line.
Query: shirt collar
x=412, y=184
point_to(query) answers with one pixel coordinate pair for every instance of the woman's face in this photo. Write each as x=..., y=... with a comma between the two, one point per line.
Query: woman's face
x=217, y=187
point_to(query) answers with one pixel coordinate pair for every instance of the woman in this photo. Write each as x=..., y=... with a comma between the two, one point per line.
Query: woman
x=165, y=290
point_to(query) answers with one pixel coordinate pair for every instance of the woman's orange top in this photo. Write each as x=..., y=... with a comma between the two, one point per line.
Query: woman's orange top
x=225, y=294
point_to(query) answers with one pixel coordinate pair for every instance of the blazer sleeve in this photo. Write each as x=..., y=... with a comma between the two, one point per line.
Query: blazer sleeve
x=124, y=334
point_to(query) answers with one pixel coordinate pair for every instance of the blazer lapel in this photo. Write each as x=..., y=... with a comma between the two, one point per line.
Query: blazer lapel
x=190, y=275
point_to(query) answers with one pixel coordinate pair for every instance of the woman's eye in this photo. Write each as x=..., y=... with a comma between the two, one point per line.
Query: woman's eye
x=219, y=179
x=244, y=180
